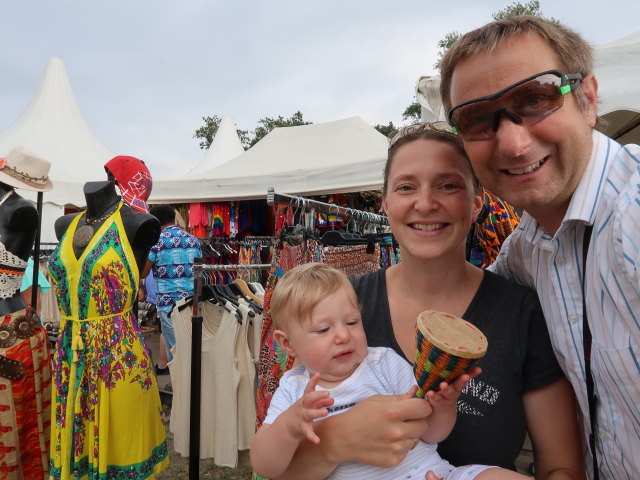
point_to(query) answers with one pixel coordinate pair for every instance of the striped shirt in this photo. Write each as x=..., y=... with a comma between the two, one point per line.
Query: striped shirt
x=607, y=197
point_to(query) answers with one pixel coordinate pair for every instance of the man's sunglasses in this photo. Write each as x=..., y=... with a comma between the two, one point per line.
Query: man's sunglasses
x=525, y=102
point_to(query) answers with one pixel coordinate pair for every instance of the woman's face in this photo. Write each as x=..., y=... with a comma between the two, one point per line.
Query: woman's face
x=430, y=200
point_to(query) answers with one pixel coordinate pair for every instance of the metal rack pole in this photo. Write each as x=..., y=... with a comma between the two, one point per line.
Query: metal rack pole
x=327, y=208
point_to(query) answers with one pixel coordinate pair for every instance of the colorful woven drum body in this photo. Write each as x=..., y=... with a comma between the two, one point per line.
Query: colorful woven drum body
x=446, y=347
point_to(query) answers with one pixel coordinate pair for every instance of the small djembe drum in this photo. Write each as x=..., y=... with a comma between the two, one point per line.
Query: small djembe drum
x=446, y=347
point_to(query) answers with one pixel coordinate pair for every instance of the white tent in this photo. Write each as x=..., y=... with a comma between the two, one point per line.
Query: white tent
x=340, y=156
x=617, y=69
x=226, y=145
x=53, y=127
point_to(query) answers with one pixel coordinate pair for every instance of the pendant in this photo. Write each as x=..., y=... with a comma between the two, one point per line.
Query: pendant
x=83, y=236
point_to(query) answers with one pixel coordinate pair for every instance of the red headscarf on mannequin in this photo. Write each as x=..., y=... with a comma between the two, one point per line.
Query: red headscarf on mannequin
x=133, y=179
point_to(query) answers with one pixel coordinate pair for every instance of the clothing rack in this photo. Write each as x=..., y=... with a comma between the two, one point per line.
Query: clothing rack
x=327, y=208
x=196, y=358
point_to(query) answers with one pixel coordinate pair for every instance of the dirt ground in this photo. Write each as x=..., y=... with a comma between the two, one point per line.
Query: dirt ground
x=178, y=468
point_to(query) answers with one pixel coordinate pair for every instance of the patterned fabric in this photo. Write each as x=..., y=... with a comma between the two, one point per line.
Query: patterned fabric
x=607, y=197
x=106, y=406
x=489, y=235
x=353, y=260
x=172, y=259
x=25, y=408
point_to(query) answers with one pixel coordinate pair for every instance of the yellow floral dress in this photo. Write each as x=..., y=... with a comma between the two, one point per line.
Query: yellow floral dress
x=105, y=416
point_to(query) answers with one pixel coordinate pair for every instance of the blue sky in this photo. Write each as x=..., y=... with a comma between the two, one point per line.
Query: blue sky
x=145, y=72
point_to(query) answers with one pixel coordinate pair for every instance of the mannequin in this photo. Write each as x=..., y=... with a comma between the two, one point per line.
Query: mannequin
x=101, y=365
x=25, y=364
x=18, y=223
x=142, y=229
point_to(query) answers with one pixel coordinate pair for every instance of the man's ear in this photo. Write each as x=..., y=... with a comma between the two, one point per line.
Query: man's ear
x=589, y=86
x=282, y=339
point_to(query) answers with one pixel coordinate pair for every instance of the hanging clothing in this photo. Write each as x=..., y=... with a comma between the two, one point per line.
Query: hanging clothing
x=219, y=383
x=106, y=406
x=25, y=402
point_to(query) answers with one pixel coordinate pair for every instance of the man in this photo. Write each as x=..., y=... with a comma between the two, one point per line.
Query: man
x=172, y=262
x=522, y=96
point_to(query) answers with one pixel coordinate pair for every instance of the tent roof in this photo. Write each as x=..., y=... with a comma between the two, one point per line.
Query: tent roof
x=53, y=127
x=226, y=145
x=341, y=156
x=617, y=69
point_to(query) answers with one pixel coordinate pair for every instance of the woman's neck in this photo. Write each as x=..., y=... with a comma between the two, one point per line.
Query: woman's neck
x=100, y=197
x=440, y=277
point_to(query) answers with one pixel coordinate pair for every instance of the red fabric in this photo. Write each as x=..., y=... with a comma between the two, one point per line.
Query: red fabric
x=133, y=179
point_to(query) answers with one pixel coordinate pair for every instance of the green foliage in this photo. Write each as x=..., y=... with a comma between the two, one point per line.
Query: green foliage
x=413, y=113
x=444, y=45
x=265, y=125
x=386, y=130
x=516, y=8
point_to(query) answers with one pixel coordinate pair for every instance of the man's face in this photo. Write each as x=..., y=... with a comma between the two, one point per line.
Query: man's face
x=537, y=166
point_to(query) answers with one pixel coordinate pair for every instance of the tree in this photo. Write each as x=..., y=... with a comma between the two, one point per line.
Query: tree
x=265, y=125
x=413, y=113
x=386, y=130
x=516, y=8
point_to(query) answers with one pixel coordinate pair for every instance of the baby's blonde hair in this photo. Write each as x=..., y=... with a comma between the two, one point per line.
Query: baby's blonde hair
x=302, y=288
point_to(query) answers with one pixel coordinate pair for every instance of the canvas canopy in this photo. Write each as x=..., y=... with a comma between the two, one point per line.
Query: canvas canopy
x=341, y=156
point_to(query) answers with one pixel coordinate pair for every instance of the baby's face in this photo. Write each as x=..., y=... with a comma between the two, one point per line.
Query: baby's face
x=332, y=341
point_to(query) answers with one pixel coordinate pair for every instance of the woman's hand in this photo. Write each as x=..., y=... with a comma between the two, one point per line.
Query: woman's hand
x=378, y=431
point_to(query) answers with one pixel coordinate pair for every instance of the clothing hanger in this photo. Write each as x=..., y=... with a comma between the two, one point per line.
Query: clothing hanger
x=244, y=288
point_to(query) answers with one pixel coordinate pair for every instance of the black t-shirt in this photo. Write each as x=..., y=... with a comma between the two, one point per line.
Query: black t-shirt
x=490, y=428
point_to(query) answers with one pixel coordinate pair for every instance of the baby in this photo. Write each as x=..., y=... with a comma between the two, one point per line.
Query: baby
x=317, y=319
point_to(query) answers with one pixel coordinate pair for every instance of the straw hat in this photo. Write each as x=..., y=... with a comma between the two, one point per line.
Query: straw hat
x=21, y=168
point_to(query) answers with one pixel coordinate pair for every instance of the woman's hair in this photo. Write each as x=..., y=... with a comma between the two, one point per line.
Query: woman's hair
x=574, y=53
x=302, y=288
x=427, y=134
x=164, y=213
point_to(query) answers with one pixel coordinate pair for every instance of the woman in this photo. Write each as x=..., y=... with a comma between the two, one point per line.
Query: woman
x=431, y=198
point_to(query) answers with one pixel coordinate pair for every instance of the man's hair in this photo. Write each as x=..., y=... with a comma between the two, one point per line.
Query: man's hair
x=427, y=134
x=164, y=213
x=574, y=53
x=302, y=288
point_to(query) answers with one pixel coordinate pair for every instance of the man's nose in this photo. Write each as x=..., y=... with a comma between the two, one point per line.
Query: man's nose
x=512, y=136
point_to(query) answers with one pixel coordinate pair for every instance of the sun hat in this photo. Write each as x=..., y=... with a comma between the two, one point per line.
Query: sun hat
x=21, y=168
x=133, y=179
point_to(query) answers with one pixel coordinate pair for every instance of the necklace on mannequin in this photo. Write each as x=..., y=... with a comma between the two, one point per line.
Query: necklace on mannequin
x=84, y=234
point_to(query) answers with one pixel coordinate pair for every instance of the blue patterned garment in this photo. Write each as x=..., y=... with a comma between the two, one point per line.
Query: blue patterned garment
x=172, y=259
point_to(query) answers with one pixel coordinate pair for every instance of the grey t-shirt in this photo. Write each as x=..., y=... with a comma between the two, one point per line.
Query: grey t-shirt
x=490, y=428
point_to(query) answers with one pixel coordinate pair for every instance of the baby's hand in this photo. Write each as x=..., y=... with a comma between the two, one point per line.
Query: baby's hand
x=448, y=394
x=312, y=405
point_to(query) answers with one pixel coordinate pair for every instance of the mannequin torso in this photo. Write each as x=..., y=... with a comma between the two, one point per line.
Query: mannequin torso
x=18, y=224
x=142, y=229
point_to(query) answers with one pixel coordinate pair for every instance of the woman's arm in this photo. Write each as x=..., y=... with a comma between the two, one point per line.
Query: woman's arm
x=555, y=434
x=378, y=431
